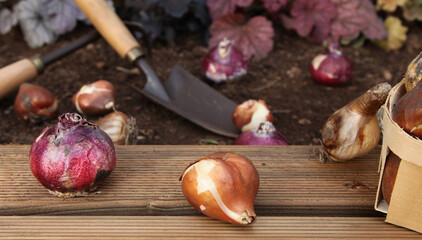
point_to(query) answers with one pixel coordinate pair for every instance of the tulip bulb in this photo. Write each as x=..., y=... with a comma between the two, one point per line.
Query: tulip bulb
x=121, y=128
x=250, y=114
x=34, y=103
x=95, y=98
x=389, y=176
x=408, y=111
x=222, y=185
x=353, y=130
x=414, y=73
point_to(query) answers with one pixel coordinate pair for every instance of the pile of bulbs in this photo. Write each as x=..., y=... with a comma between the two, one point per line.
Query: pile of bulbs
x=254, y=119
x=35, y=104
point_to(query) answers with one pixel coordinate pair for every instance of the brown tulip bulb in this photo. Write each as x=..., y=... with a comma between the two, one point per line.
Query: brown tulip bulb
x=250, y=114
x=34, y=103
x=389, y=176
x=353, y=130
x=222, y=185
x=121, y=128
x=95, y=98
x=414, y=73
x=408, y=111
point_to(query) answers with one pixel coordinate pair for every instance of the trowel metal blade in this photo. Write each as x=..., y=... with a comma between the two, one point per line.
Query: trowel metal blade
x=197, y=102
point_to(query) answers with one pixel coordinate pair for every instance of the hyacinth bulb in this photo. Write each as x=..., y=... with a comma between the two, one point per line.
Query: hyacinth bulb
x=34, y=103
x=222, y=185
x=264, y=134
x=224, y=62
x=73, y=157
x=332, y=68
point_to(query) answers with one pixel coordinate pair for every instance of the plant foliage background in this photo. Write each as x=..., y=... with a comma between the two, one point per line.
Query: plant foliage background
x=249, y=23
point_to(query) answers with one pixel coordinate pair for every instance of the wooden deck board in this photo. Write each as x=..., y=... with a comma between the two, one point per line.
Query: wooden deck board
x=145, y=182
x=196, y=227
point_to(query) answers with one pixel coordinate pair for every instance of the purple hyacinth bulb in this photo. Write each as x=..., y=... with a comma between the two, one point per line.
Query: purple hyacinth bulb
x=224, y=62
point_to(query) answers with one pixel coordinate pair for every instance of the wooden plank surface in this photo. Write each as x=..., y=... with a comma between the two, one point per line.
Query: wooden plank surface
x=145, y=182
x=195, y=227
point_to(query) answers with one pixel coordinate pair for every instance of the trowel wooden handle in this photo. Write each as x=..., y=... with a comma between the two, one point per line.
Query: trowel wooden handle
x=14, y=74
x=109, y=25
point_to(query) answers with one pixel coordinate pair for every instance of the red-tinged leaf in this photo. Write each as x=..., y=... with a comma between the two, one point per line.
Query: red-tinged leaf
x=354, y=17
x=219, y=8
x=375, y=28
x=348, y=24
x=274, y=5
x=313, y=17
x=252, y=38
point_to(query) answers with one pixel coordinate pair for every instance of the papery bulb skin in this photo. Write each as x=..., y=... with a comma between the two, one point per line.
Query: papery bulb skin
x=73, y=157
x=264, y=134
x=95, y=98
x=222, y=185
x=332, y=68
x=250, y=114
x=407, y=112
x=224, y=62
x=121, y=128
x=353, y=130
x=389, y=176
x=414, y=73
x=35, y=104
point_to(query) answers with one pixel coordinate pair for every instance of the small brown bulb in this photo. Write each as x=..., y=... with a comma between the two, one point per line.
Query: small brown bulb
x=95, y=98
x=34, y=103
x=414, y=73
x=250, y=114
x=407, y=112
x=121, y=128
x=389, y=176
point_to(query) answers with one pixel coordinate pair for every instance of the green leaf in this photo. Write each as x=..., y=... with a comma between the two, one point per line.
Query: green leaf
x=210, y=141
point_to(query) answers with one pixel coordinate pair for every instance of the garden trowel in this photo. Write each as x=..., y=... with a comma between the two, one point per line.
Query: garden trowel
x=181, y=93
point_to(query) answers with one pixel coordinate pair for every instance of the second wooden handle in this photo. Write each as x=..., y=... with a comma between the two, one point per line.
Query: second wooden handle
x=14, y=74
x=109, y=25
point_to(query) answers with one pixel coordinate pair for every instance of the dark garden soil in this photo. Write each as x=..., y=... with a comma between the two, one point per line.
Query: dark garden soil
x=299, y=105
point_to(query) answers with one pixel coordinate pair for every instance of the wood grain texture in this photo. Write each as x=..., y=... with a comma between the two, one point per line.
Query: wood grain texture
x=197, y=227
x=145, y=182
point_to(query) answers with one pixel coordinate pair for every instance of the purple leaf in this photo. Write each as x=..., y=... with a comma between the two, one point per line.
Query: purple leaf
x=355, y=17
x=61, y=14
x=219, y=8
x=375, y=28
x=274, y=5
x=347, y=24
x=7, y=20
x=175, y=8
x=34, y=27
x=313, y=17
x=252, y=38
